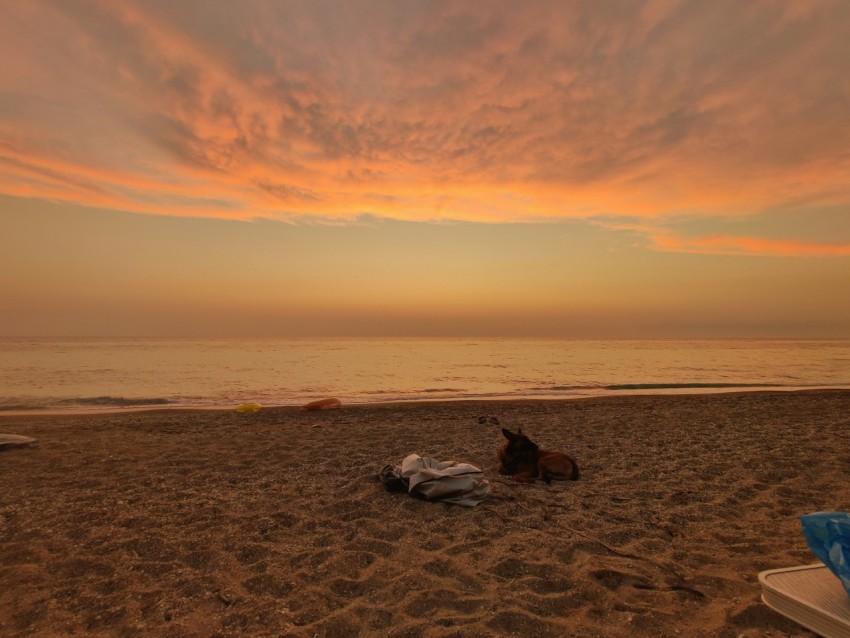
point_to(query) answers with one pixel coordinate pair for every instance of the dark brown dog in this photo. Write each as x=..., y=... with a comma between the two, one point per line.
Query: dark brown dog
x=525, y=461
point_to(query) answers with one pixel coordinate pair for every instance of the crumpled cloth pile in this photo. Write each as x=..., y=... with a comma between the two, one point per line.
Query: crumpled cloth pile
x=828, y=536
x=433, y=480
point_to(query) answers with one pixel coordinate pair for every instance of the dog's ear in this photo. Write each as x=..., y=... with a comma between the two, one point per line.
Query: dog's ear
x=519, y=431
x=507, y=434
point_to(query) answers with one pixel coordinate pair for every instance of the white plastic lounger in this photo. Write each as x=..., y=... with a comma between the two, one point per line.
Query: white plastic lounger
x=810, y=595
x=8, y=441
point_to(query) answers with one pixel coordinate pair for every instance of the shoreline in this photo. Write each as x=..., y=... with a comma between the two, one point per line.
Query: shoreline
x=194, y=523
x=625, y=394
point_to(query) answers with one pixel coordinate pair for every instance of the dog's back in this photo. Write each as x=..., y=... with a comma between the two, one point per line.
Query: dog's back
x=557, y=466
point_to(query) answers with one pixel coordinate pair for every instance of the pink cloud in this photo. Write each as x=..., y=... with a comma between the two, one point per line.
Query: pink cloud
x=725, y=245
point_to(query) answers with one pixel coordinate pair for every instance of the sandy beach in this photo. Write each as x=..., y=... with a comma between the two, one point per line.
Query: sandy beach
x=215, y=523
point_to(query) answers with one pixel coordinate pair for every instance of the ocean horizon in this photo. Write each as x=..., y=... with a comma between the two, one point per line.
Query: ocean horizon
x=91, y=373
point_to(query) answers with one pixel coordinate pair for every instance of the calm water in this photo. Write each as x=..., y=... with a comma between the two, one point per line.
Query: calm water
x=107, y=373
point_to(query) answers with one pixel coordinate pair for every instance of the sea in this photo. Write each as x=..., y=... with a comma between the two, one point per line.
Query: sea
x=85, y=374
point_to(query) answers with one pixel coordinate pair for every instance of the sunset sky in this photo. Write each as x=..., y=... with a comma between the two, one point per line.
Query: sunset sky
x=574, y=169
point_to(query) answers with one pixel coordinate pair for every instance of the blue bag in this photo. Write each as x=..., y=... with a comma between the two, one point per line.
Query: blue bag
x=828, y=536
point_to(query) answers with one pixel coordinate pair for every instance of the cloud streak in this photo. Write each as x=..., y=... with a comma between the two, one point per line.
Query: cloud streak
x=724, y=245
x=431, y=110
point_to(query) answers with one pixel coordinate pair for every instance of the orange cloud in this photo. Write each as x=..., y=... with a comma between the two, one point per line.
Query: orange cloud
x=446, y=111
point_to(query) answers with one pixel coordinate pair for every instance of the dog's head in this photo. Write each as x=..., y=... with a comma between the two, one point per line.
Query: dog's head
x=518, y=445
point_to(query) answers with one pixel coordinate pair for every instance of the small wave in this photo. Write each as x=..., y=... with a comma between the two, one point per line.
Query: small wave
x=674, y=386
x=9, y=407
x=113, y=401
x=432, y=390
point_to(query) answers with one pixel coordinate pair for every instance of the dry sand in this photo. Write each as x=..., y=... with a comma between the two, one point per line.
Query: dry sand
x=193, y=523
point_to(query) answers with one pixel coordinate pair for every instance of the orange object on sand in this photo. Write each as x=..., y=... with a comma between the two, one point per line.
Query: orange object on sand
x=322, y=404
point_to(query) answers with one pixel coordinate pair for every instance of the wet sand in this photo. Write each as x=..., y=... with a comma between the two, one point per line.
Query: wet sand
x=215, y=523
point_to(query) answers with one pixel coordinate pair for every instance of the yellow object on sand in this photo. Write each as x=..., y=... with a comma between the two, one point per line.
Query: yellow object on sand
x=248, y=407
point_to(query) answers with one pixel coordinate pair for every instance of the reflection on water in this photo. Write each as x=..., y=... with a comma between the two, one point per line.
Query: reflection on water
x=222, y=372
